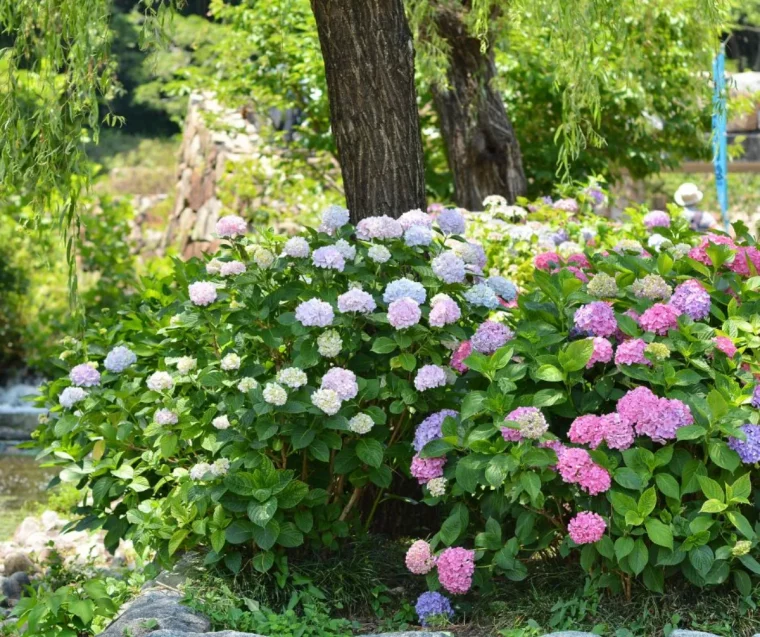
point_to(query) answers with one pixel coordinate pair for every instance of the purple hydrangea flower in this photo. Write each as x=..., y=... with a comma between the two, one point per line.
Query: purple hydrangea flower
x=401, y=288
x=430, y=604
x=334, y=217
x=657, y=219
x=691, y=299
x=490, y=336
x=749, y=449
x=430, y=428
x=356, y=301
x=568, y=205
x=328, y=257
x=449, y=267
x=314, y=313
x=342, y=382
x=755, y=402
x=84, y=375
x=451, y=221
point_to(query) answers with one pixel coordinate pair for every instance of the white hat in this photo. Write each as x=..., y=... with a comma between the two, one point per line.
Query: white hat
x=688, y=194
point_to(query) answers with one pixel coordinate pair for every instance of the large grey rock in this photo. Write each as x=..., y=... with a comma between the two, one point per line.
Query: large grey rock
x=690, y=633
x=570, y=633
x=17, y=562
x=224, y=633
x=155, y=610
x=411, y=633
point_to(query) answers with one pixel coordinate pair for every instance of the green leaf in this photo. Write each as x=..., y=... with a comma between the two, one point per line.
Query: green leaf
x=576, y=355
x=659, y=533
x=260, y=514
x=742, y=524
x=647, y=502
x=622, y=503
x=468, y=471
x=629, y=479
x=454, y=525
x=176, y=540
x=383, y=345
x=722, y=455
x=84, y=609
x=239, y=531
x=639, y=556
x=531, y=483
x=702, y=558
x=304, y=520
x=717, y=405
x=623, y=547
x=302, y=438
x=711, y=488
x=293, y=493
x=549, y=373
x=654, y=578
x=713, y=506
x=743, y=583
x=605, y=547
x=690, y=432
x=218, y=540
x=668, y=485
x=233, y=561
x=407, y=361
x=742, y=488
x=262, y=562
x=290, y=537
x=266, y=536
x=549, y=397
x=473, y=404
x=436, y=448
x=370, y=451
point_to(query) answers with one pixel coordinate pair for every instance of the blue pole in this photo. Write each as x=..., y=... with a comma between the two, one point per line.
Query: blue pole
x=719, y=124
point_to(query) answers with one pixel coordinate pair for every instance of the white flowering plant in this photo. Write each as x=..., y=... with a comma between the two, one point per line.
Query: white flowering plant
x=264, y=399
x=614, y=417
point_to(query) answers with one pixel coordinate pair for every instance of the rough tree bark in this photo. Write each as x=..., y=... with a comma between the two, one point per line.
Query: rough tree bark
x=369, y=64
x=483, y=152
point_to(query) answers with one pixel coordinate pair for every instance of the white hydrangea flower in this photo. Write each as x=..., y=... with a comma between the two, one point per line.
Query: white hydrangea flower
x=221, y=422
x=261, y=256
x=437, y=487
x=214, y=266
x=186, y=364
x=292, y=377
x=160, y=381
x=329, y=344
x=198, y=471
x=247, y=384
x=275, y=394
x=361, y=424
x=220, y=467
x=379, y=254
x=230, y=362
x=327, y=400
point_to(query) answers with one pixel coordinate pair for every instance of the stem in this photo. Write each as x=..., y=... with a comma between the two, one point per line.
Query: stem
x=351, y=503
x=305, y=467
x=374, y=508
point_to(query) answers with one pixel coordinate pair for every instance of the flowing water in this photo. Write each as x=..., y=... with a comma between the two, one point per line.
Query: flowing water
x=22, y=480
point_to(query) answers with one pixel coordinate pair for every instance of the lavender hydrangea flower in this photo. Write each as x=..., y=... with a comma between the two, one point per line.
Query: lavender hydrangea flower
x=231, y=226
x=451, y=221
x=165, y=417
x=334, y=217
x=383, y=227
x=202, y=293
x=657, y=219
x=429, y=377
x=755, y=402
x=356, y=301
x=342, y=382
x=415, y=218
x=449, y=267
x=418, y=236
x=490, y=336
x=432, y=604
x=84, y=375
x=596, y=318
x=347, y=251
x=568, y=205
x=403, y=313
x=314, y=313
x=401, y=288
x=231, y=268
x=503, y=287
x=472, y=253
x=119, y=359
x=329, y=258
x=296, y=247
x=749, y=449
x=443, y=311
x=481, y=295
x=430, y=428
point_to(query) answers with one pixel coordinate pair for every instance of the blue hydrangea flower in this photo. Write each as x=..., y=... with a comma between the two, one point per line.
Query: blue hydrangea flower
x=749, y=449
x=401, y=288
x=451, y=221
x=481, y=295
x=119, y=358
x=503, y=287
x=430, y=428
x=429, y=604
x=418, y=236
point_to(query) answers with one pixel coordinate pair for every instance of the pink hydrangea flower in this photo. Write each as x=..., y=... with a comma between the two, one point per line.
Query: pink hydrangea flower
x=573, y=463
x=425, y=469
x=596, y=318
x=419, y=559
x=455, y=569
x=459, y=355
x=404, y=313
x=745, y=256
x=84, y=375
x=602, y=352
x=547, y=261
x=231, y=268
x=532, y=423
x=202, y=293
x=636, y=403
x=660, y=319
x=490, y=336
x=342, y=382
x=580, y=260
x=662, y=423
x=231, y=226
x=699, y=253
x=444, y=312
x=657, y=219
x=586, y=430
x=725, y=345
x=594, y=480
x=632, y=353
x=586, y=528
x=617, y=431
x=579, y=274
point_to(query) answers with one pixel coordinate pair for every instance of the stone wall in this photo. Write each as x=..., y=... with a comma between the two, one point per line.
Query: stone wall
x=213, y=136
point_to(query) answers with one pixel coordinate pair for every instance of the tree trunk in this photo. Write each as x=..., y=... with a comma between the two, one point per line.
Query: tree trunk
x=369, y=64
x=483, y=152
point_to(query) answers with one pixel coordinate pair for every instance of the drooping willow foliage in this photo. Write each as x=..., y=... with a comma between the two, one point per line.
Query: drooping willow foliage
x=581, y=33
x=56, y=78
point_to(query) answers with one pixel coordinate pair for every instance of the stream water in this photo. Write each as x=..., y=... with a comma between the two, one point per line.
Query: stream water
x=22, y=480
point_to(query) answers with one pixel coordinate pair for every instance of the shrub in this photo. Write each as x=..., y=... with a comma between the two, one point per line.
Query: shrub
x=267, y=400
x=619, y=426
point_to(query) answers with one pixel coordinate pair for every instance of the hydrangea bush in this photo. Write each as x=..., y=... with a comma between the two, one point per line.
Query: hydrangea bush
x=264, y=398
x=617, y=422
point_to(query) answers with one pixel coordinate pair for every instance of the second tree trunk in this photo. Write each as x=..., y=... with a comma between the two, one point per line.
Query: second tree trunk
x=483, y=152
